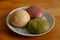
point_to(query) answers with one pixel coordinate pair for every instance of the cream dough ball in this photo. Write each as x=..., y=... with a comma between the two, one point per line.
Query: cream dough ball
x=19, y=18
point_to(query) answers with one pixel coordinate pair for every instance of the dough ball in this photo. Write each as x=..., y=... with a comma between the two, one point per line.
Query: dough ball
x=37, y=26
x=19, y=18
x=35, y=12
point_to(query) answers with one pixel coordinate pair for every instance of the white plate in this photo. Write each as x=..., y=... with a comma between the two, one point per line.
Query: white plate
x=23, y=31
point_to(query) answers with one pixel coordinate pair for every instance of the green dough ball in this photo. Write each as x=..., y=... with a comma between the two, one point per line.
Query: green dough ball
x=38, y=25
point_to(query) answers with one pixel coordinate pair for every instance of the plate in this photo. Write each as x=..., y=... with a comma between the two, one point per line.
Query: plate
x=23, y=31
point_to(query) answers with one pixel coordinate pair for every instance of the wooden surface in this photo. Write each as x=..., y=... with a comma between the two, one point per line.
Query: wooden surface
x=7, y=5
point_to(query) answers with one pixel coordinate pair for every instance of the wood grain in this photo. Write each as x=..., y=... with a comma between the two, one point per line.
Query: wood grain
x=7, y=5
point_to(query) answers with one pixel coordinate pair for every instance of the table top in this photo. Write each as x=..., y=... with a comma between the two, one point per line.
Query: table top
x=7, y=5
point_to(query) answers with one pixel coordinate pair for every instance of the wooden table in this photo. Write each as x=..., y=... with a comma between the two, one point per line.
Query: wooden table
x=7, y=5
